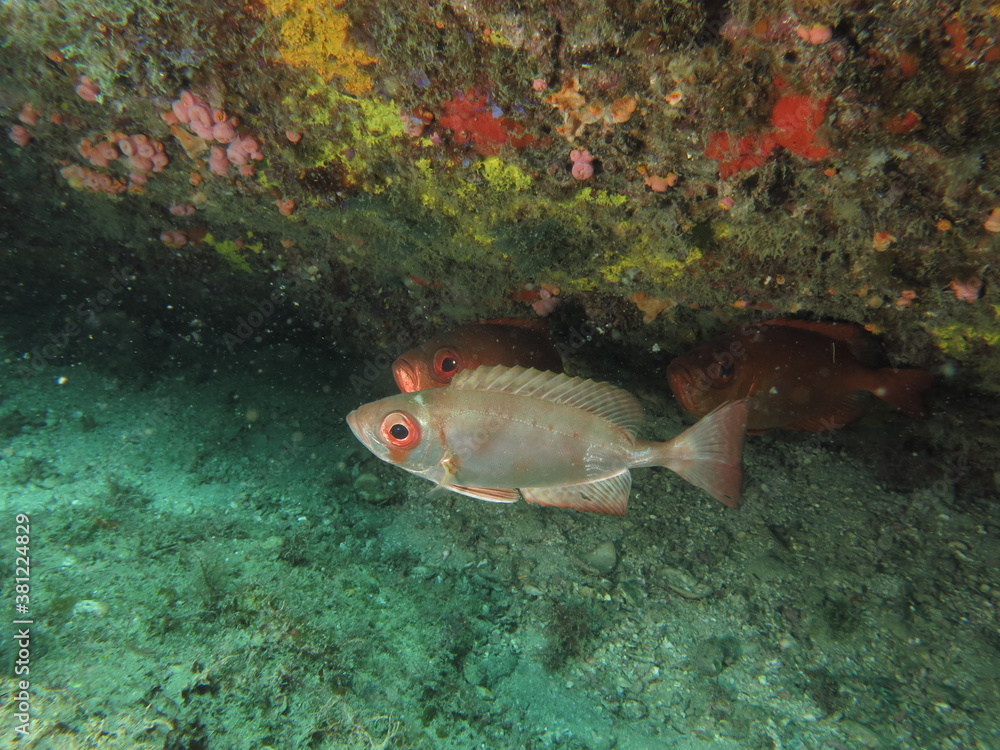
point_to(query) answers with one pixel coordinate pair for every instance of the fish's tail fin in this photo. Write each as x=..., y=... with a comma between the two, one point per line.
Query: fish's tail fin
x=902, y=389
x=709, y=454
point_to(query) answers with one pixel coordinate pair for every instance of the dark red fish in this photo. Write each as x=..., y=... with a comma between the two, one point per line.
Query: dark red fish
x=506, y=341
x=799, y=375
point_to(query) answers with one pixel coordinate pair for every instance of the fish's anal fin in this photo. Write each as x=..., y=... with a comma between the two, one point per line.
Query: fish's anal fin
x=609, y=496
x=491, y=495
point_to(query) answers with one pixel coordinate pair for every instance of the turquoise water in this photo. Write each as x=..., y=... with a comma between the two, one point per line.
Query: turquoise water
x=217, y=563
x=199, y=555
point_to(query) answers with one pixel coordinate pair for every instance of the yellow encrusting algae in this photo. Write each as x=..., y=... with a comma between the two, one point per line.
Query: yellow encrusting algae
x=314, y=35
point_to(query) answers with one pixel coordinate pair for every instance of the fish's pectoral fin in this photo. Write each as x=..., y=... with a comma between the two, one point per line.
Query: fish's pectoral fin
x=490, y=494
x=608, y=496
x=438, y=489
x=449, y=465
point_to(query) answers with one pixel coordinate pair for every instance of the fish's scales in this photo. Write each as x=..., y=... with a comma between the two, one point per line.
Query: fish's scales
x=610, y=403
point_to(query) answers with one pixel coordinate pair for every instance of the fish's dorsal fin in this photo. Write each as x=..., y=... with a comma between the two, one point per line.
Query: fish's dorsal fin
x=863, y=345
x=538, y=325
x=605, y=400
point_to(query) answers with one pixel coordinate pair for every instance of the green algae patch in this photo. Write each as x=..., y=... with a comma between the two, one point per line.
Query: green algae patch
x=504, y=176
x=601, y=198
x=655, y=264
x=379, y=119
x=958, y=340
x=367, y=121
x=356, y=136
x=975, y=343
x=229, y=250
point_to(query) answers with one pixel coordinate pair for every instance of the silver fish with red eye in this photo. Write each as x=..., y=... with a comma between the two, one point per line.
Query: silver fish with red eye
x=559, y=440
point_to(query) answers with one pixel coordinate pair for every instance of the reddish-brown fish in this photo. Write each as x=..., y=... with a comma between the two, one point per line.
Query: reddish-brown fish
x=505, y=341
x=797, y=374
x=561, y=441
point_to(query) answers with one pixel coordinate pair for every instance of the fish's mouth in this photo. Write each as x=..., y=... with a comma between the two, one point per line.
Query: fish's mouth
x=352, y=422
x=366, y=432
x=682, y=383
x=405, y=375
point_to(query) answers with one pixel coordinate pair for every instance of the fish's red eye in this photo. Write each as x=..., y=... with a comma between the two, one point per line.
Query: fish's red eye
x=447, y=364
x=400, y=430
